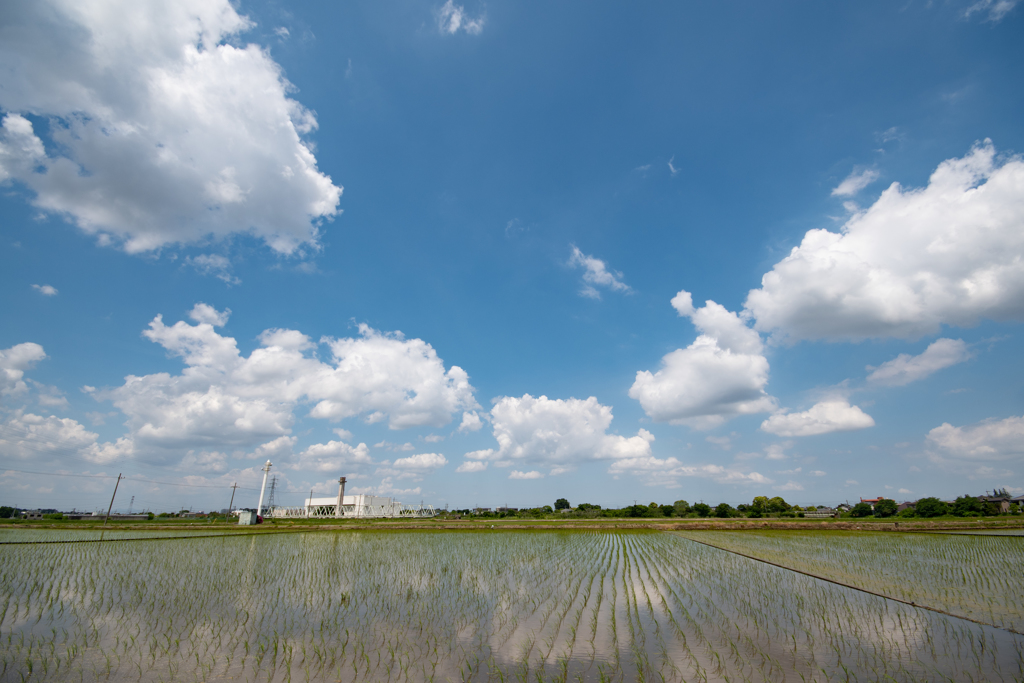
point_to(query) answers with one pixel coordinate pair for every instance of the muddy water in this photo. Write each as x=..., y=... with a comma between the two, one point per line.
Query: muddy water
x=483, y=606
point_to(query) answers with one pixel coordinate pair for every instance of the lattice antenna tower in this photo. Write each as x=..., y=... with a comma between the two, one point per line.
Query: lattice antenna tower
x=273, y=487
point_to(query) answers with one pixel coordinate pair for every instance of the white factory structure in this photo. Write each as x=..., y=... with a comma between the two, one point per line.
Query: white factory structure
x=341, y=506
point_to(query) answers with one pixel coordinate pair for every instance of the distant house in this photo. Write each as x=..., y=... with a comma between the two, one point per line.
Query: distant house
x=871, y=501
x=820, y=513
x=1019, y=500
x=843, y=507
x=908, y=504
x=1002, y=501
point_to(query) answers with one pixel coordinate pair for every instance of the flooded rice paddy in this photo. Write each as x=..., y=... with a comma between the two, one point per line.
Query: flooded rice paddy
x=9, y=536
x=461, y=606
x=973, y=576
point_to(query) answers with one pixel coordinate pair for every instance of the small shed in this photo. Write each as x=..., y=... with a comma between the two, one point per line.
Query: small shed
x=246, y=518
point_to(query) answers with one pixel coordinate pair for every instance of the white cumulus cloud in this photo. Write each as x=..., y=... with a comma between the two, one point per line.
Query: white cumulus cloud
x=36, y=438
x=950, y=253
x=333, y=456
x=415, y=467
x=667, y=471
x=596, y=274
x=472, y=466
x=723, y=373
x=557, y=432
x=223, y=399
x=988, y=440
x=166, y=128
x=13, y=364
x=532, y=474
x=45, y=290
x=821, y=418
x=471, y=421
x=904, y=368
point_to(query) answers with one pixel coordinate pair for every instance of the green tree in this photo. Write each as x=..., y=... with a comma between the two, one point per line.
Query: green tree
x=667, y=510
x=702, y=509
x=723, y=510
x=930, y=507
x=6, y=512
x=759, y=505
x=861, y=510
x=562, y=504
x=682, y=507
x=886, y=508
x=777, y=504
x=965, y=506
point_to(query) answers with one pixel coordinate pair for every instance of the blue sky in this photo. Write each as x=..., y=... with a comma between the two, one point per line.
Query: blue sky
x=460, y=253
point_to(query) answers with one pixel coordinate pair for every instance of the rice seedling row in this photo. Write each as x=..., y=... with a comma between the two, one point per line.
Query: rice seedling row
x=971, y=576
x=436, y=606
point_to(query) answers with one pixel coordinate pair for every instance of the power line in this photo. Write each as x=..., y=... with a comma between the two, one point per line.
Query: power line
x=127, y=478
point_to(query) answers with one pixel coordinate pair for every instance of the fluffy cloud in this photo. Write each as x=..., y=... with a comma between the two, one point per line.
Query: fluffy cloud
x=667, y=472
x=414, y=467
x=904, y=368
x=37, y=438
x=950, y=253
x=532, y=474
x=855, y=182
x=557, y=432
x=596, y=274
x=223, y=399
x=13, y=364
x=194, y=138
x=278, y=448
x=45, y=290
x=821, y=418
x=333, y=456
x=471, y=422
x=988, y=440
x=471, y=466
x=452, y=18
x=722, y=374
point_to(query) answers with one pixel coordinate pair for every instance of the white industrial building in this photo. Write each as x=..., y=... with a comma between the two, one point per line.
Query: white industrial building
x=359, y=506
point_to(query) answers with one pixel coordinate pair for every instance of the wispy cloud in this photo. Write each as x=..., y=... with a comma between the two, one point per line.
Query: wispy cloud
x=997, y=9
x=904, y=368
x=214, y=264
x=671, y=168
x=452, y=18
x=855, y=182
x=596, y=274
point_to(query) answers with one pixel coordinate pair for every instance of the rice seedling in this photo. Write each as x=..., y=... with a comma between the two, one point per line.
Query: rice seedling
x=420, y=606
x=976, y=577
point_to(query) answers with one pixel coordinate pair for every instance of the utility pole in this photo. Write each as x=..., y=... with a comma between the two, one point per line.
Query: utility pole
x=116, y=484
x=131, y=505
x=232, y=503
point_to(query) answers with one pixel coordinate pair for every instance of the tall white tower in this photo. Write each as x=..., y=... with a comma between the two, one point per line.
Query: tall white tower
x=266, y=471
